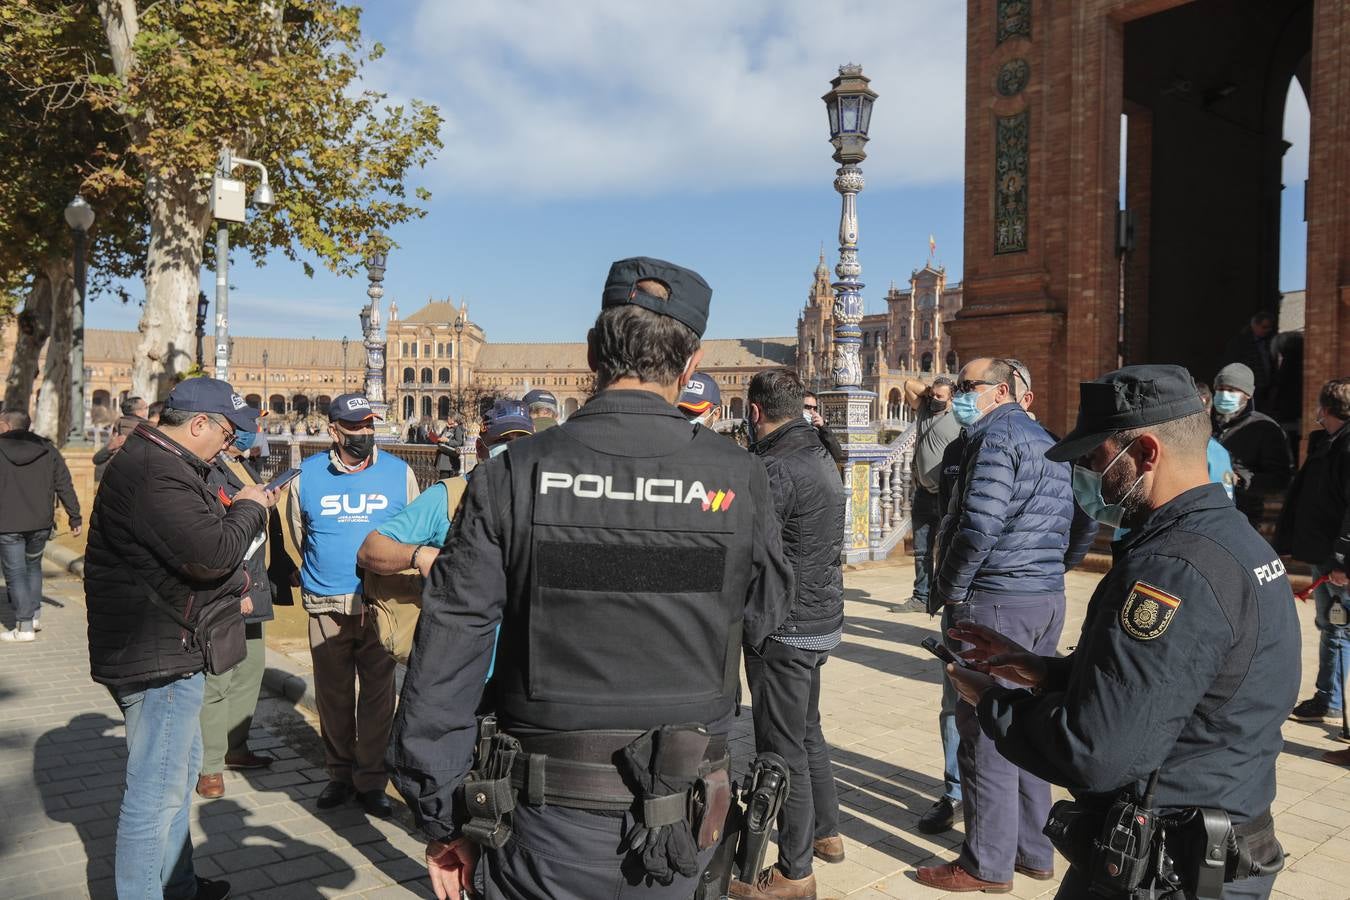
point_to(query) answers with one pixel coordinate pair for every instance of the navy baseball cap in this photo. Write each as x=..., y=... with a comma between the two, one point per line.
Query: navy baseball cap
x=350, y=408
x=211, y=395
x=1128, y=398
x=506, y=417
x=689, y=297
x=540, y=397
x=699, y=395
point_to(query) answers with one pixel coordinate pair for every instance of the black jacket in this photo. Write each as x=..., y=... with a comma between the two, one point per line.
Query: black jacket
x=154, y=514
x=1261, y=458
x=32, y=473
x=1188, y=662
x=1314, y=524
x=624, y=554
x=810, y=502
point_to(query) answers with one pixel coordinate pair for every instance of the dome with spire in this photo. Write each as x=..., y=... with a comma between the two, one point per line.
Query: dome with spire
x=822, y=270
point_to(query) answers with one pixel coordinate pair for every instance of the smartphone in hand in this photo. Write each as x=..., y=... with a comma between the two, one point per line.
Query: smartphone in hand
x=942, y=652
x=281, y=480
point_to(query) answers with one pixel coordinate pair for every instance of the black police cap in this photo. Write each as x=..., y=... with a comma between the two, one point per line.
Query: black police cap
x=1128, y=398
x=689, y=299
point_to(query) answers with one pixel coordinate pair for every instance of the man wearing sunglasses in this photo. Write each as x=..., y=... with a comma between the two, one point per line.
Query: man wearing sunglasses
x=1001, y=559
x=811, y=412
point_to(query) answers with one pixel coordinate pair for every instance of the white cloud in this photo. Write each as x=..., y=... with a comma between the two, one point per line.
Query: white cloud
x=595, y=97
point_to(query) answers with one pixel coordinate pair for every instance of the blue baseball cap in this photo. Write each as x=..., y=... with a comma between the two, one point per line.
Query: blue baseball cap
x=699, y=395
x=211, y=395
x=350, y=408
x=506, y=417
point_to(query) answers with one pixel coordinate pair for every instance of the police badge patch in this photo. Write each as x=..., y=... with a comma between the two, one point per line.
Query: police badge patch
x=1147, y=611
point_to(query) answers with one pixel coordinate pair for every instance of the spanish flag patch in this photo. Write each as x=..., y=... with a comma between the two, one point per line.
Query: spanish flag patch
x=1147, y=611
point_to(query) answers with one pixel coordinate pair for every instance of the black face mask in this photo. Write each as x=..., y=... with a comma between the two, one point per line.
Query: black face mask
x=359, y=446
x=937, y=406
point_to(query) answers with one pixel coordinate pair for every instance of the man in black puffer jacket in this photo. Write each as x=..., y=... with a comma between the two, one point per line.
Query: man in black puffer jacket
x=157, y=535
x=784, y=674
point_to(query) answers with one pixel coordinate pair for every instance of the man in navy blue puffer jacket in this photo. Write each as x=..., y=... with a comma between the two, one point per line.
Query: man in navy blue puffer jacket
x=1002, y=553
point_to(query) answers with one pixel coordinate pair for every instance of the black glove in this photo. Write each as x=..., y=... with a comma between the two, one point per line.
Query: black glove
x=664, y=763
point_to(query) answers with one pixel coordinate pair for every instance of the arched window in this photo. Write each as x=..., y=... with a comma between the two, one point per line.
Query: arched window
x=426, y=378
x=426, y=407
x=322, y=402
x=300, y=403
x=409, y=376
x=409, y=406
x=443, y=407
x=927, y=333
x=414, y=350
x=254, y=401
x=277, y=404
x=951, y=361
x=443, y=376
x=926, y=363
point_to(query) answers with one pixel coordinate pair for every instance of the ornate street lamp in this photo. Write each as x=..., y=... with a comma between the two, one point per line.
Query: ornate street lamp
x=202, y=305
x=376, y=260
x=80, y=218
x=459, y=366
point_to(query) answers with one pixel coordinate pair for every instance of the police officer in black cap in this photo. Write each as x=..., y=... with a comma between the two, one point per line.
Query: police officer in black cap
x=1188, y=662
x=625, y=556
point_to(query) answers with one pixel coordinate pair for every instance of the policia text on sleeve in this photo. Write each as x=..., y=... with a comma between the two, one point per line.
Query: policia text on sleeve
x=1187, y=664
x=626, y=555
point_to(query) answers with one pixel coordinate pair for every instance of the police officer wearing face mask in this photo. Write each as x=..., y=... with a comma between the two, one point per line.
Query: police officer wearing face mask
x=340, y=497
x=1186, y=665
x=626, y=555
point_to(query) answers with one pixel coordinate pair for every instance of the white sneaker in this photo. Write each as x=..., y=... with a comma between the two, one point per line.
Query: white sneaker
x=17, y=635
x=37, y=623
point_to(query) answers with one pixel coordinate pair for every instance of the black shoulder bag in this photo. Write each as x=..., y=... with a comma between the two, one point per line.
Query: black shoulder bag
x=219, y=633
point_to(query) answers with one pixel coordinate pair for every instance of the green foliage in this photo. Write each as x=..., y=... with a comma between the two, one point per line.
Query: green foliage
x=278, y=81
x=54, y=144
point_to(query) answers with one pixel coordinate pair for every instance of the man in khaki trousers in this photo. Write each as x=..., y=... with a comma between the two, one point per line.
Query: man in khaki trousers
x=340, y=497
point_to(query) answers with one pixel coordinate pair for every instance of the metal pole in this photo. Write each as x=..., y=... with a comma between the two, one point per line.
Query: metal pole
x=267, y=400
x=223, y=284
x=77, y=385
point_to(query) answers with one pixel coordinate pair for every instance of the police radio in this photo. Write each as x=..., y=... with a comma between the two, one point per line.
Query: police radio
x=1124, y=853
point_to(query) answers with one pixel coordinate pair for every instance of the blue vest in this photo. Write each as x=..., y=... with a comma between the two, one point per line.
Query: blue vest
x=338, y=510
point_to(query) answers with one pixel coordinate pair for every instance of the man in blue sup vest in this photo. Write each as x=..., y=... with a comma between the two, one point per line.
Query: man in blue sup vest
x=340, y=497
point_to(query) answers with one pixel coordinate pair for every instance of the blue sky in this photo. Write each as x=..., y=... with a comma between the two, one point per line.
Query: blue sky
x=693, y=132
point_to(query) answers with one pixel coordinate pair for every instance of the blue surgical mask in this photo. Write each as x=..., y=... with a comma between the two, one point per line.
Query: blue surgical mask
x=1087, y=491
x=497, y=449
x=1228, y=402
x=966, y=408
x=244, y=439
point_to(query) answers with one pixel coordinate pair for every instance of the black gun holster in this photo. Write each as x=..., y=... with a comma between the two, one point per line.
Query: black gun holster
x=756, y=802
x=488, y=794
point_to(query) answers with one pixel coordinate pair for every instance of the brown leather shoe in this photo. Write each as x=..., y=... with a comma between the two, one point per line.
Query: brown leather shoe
x=772, y=884
x=211, y=787
x=246, y=760
x=953, y=879
x=1337, y=757
x=828, y=849
x=1038, y=874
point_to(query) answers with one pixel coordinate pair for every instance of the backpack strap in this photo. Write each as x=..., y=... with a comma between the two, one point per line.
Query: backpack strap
x=454, y=493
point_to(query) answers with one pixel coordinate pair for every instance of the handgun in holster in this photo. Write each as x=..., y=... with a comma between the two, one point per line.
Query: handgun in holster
x=745, y=838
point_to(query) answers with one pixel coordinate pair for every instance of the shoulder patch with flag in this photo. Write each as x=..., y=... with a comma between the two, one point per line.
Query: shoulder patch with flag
x=1147, y=611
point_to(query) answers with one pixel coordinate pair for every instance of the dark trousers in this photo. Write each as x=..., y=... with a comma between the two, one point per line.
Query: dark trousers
x=926, y=517
x=572, y=854
x=1005, y=807
x=785, y=693
x=1076, y=884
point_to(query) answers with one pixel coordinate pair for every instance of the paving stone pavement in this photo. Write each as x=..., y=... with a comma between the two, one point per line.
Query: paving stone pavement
x=62, y=759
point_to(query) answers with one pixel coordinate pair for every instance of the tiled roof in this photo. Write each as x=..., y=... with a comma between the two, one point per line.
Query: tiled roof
x=717, y=354
x=436, y=312
x=247, y=351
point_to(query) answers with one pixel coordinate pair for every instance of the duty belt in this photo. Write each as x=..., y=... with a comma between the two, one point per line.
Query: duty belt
x=576, y=769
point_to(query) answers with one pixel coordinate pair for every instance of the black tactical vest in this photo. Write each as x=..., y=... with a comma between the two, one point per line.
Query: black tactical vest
x=629, y=542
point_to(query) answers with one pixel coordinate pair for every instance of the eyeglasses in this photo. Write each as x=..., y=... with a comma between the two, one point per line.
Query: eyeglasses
x=970, y=385
x=229, y=435
x=810, y=406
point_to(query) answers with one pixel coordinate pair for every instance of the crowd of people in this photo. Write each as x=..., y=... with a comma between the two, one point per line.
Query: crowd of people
x=574, y=614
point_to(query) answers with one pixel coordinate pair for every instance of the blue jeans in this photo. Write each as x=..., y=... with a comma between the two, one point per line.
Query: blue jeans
x=925, y=516
x=164, y=755
x=951, y=737
x=21, y=561
x=1334, y=646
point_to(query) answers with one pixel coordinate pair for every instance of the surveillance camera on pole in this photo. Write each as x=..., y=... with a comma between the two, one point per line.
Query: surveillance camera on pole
x=227, y=205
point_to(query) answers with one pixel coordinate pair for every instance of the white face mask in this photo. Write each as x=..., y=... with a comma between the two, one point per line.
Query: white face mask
x=498, y=449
